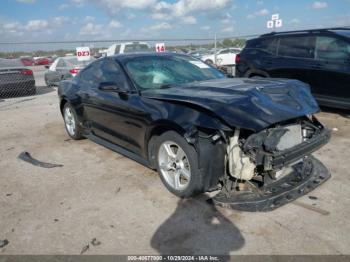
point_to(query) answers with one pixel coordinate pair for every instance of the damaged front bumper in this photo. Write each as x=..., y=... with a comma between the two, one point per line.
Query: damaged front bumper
x=280, y=159
x=273, y=167
x=306, y=176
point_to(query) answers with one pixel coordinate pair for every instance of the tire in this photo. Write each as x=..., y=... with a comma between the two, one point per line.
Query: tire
x=47, y=83
x=71, y=122
x=209, y=62
x=256, y=77
x=178, y=170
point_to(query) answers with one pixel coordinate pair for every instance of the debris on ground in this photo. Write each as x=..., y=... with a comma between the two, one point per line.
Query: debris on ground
x=313, y=198
x=25, y=156
x=335, y=129
x=117, y=190
x=95, y=242
x=9, y=194
x=3, y=243
x=10, y=148
x=85, y=248
x=311, y=208
x=55, y=220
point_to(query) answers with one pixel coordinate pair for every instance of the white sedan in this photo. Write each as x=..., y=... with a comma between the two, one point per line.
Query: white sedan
x=224, y=57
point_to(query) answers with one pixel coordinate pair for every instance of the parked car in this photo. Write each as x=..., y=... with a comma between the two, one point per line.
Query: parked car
x=224, y=57
x=200, y=130
x=15, y=79
x=42, y=61
x=63, y=68
x=129, y=47
x=200, y=53
x=27, y=61
x=319, y=57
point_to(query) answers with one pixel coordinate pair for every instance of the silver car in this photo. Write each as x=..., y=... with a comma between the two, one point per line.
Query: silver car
x=63, y=68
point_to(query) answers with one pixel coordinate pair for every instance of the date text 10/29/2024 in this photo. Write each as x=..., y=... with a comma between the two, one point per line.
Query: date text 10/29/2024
x=174, y=258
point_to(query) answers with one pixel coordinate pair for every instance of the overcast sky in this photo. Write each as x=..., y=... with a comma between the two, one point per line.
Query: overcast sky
x=49, y=20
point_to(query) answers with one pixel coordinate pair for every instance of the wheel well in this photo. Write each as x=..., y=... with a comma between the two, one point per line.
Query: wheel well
x=157, y=131
x=255, y=75
x=63, y=102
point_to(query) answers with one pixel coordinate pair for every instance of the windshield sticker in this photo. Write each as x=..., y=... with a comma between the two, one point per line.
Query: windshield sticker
x=199, y=64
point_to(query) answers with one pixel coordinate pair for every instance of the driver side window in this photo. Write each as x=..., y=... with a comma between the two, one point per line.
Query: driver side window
x=330, y=48
x=112, y=73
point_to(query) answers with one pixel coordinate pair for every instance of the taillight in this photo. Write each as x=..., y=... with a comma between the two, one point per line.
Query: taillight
x=238, y=59
x=74, y=71
x=27, y=72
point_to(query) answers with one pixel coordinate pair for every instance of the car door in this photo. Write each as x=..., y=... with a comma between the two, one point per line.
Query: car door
x=294, y=58
x=110, y=105
x=330, y=76
x=61, y=69
x=51, y=75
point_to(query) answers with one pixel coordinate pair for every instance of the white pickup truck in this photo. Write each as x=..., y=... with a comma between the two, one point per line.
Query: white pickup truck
x=128, y=47
x=224, y=57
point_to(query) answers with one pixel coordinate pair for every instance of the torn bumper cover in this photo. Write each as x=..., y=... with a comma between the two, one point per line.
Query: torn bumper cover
x=305, y=177
x=273, y=167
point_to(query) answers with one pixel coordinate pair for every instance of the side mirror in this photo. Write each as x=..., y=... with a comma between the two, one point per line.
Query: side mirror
x=47, y=66
x=112, y=87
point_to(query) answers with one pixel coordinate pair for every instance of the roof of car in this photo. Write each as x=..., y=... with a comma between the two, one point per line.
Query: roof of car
x=336, y=30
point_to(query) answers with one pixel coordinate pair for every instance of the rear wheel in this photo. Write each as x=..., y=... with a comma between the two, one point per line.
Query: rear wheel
x=71, y=122
x=209, y=62
x=48, y=84
x=177, y=165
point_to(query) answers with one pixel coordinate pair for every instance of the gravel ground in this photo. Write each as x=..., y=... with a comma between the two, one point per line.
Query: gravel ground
x=100, y=194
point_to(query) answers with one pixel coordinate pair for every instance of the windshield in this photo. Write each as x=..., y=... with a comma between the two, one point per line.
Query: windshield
x=159, y=71
x=129, y=48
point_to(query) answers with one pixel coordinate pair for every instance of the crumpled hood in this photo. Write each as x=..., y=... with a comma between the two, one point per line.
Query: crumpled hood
x=246, y=103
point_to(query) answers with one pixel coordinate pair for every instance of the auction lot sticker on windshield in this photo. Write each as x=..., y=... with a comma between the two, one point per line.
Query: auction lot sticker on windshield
x=199, y=64
x=83, y=53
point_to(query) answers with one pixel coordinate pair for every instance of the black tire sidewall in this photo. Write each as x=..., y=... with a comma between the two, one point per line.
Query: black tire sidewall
x=78, y=130
x=209, y=62
x=195, y=185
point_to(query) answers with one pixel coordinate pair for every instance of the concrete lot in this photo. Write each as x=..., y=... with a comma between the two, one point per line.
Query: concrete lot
x=100, y=194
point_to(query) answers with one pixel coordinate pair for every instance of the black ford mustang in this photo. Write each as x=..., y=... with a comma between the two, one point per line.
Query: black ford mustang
x=201, y=130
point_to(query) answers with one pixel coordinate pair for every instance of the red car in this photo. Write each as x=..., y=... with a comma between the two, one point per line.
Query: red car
x=27, y=61
x=43, y=61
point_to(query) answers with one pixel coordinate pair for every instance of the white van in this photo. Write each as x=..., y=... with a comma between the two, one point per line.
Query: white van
x=129, y=47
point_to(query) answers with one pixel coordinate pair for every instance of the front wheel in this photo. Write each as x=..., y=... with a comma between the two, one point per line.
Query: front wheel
x=177, y=165
x=71, y=122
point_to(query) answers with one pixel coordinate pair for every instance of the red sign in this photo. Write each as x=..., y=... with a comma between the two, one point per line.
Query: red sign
x=83, y=53
x=160, y=47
